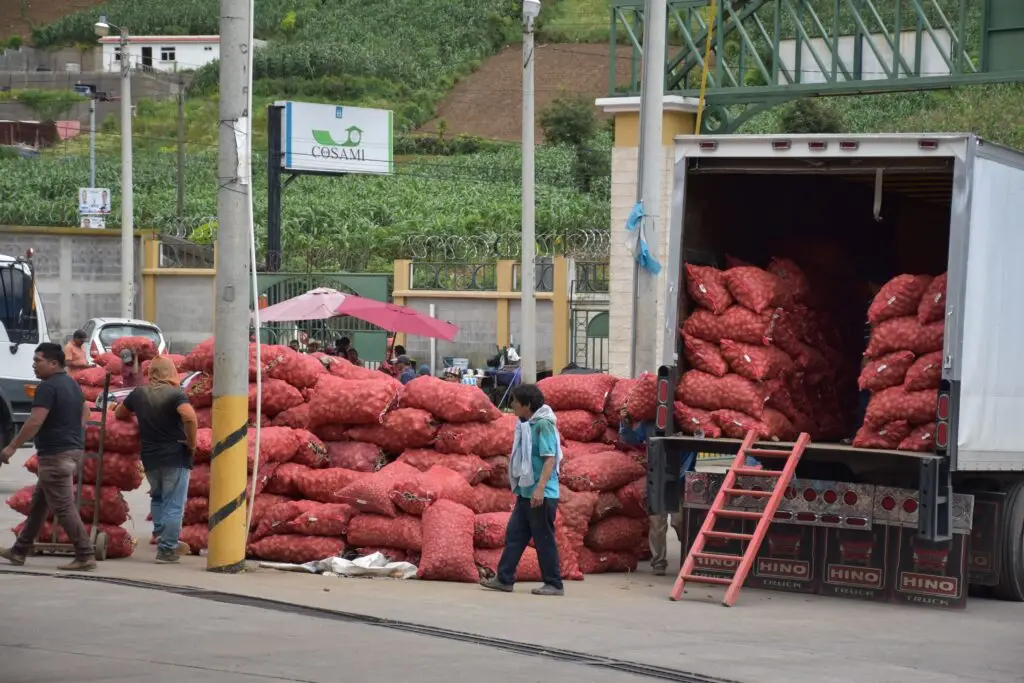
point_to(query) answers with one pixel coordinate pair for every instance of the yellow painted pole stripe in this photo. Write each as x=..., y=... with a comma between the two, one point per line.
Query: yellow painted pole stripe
x=228, y=470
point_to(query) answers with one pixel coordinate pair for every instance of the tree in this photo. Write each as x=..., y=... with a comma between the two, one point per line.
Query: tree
x=809, y=116
x=569, y=121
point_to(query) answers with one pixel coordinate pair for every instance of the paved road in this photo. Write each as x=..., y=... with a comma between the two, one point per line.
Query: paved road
x=55, y=630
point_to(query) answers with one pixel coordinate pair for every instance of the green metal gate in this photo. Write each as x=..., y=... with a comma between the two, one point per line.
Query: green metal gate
x=369, y=340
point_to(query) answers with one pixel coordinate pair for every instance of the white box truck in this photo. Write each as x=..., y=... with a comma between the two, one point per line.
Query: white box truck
x=906, y=526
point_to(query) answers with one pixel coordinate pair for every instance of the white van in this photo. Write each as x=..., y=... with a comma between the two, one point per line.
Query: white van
x=22, y=328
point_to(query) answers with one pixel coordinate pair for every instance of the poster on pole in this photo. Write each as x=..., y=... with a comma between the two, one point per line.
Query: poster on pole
x=328, y=138
x=93, y=222
x=93, y=200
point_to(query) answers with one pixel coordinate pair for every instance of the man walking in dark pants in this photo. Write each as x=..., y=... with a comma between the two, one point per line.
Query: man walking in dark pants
x=57, y=424
x=533, y=476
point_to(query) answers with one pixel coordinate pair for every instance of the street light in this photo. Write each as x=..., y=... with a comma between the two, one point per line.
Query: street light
x=103, y=28
x=528, y=304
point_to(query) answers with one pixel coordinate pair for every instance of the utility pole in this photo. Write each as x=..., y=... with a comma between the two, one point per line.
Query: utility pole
x=228, y=464
x=528, y=302
x=92, y=140
x=652, y=104
x=127, y=186
x=181, y=147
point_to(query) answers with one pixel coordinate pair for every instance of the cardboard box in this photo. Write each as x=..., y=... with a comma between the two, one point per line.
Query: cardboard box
x=856, y=564
x=788, y=560
x=719, y=568
x=985, y=556
x=926, y=573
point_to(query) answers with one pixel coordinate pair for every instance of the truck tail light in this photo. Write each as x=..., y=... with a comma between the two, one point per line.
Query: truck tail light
x=850, y=498
x=663, y=391
x=661, y=417
x=942, y=435
x=910, y=506
x=943, y=408
x=708, y=146
x=817, y=145
x=848, y=145
x=781, y=145
x=929, y=145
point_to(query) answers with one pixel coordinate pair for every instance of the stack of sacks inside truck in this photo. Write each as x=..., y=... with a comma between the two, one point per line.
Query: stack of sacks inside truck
x=355, y=463
x=903, y=364
x=763, y=354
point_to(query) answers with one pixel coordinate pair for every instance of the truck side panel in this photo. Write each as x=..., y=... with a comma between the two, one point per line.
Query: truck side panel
x=991, y=361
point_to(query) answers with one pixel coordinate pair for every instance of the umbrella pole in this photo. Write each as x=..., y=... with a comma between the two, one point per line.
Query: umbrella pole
x=433, y=345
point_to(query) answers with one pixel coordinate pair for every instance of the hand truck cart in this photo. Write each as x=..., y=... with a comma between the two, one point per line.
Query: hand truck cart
x=98, y=537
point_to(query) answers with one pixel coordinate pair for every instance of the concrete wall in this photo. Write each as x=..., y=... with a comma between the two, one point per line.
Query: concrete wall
x=477, y=320
x=545, y=331
x=184, y=309
x=64, y=60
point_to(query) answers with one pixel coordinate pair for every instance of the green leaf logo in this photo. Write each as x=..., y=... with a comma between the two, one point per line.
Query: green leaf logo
x=326, y=139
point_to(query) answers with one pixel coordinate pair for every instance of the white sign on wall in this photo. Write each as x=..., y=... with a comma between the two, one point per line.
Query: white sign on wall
x=325, y=138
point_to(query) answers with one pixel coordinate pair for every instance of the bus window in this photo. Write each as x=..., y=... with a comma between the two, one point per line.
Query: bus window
x=17, y=312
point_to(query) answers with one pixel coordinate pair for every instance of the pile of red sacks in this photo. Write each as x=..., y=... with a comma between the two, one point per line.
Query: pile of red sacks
x=761, y=356
x=903, y=365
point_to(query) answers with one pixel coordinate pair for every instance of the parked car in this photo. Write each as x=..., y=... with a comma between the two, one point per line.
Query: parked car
x=103, y=332
x=116, y=396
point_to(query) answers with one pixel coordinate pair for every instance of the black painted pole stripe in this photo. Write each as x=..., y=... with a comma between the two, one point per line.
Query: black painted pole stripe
x=223, y=513
x=230, y=440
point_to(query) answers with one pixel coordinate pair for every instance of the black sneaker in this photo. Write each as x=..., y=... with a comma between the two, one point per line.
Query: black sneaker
x=167, y=557
x=495, y=585
x=548, y=590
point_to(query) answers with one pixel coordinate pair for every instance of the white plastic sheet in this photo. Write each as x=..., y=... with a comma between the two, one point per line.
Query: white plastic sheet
x=372, y=566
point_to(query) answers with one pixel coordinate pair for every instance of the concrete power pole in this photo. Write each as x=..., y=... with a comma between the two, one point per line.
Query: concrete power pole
x=652, y=103
x=527, y=270
x=231, y=306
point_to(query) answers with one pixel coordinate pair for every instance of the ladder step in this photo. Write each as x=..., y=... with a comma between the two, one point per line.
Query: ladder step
x=728, y=535
x=718, y=556
x=706, y=579
x=744, y=492
x=768, y=453
x=747, y=472
x=737, y=514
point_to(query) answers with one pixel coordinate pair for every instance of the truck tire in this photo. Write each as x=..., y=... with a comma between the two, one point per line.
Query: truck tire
x=1011, y=582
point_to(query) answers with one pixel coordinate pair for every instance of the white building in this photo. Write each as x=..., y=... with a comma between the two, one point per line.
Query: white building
x=163, y=53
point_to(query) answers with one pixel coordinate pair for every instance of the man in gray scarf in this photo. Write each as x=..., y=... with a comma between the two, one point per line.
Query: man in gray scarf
x=533, y=476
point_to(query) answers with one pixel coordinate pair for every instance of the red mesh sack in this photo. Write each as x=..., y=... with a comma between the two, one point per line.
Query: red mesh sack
x=752, y=287
x=285, y=481
x=735, y=424
x=898, y=297
x=355, y=455
x=199, y=480
x=195, y=535
x=271, y=356
x=608, y=504
x=331, y=432
x=737, y=323
x=200, y=392
x=296, y=417
x=498, y=472
x=641, y=401
x=91, y=393
x=275, y=519
x=110, y=362
x=489, y=529
x=119, y=542
x=604, y=471
x=528, y=569
x=121, y=471
x=391, y=554
x=704, y=356
x=143, y=348
x=577, y=392
x=925, y=373
x=448, y=543
x=94, y=377
x=354, y=402
x=780, y=398
x=372, y=492
x=403, y=532
x=492, y=499
x=617, y=400
x=297, y=549
x=327, y=485
x=298, y=369
x=572, y=449
x=486, y=439
x=450, y=402
x=794, y=281
x=263, y=503
x=692, y=420
x=197, y=511
x=473, y=469
x=340, y=367
x=278, y=396
x=413, y=496
x=905, y=334
x=887, y=371
x=579, y=425
x=887, y=436
x=311, y=451
x=571, y=524
x=325, y=519
x=113, y=508
x=933, y=303
x=921, y=440
x=204, y=418
x=122, y=435
x=401, y=429
x=605, y=561
x=616, y=533
x=755, y=362
x=779, y=425
x=200, y=358
x=701, y=390
x=633, y=498
x=277, y=444
x=706, y=287
x=896, y=403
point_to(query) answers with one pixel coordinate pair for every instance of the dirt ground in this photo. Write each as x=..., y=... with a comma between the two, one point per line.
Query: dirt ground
x=488, y=103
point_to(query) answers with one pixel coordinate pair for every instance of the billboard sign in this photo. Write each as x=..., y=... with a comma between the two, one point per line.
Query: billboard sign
x=93, y=200
x=327, y=138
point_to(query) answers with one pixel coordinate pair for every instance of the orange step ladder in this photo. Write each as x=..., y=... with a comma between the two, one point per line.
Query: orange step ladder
x=720, y=511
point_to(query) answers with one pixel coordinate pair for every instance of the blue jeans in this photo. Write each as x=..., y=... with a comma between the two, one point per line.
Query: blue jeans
x=168, y=490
